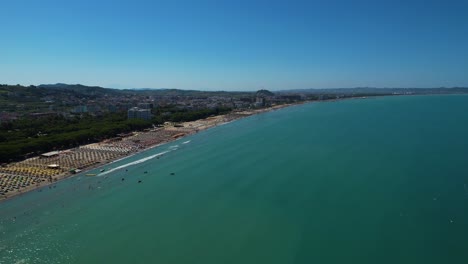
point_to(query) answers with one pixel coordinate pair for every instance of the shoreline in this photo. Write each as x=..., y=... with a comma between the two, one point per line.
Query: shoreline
x=186, y=129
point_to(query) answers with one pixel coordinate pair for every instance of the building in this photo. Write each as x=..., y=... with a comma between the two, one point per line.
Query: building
x=259, y=102
x=138, y=113
x=145, y=105
x=80, y=109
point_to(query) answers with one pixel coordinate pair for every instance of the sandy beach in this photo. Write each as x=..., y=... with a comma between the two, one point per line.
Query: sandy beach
x=21, y=177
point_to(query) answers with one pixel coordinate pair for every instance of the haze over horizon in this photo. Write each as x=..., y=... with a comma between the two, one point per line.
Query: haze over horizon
x=235, y=45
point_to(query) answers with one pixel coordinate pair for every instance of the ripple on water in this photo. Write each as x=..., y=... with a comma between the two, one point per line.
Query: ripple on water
x=34, y=245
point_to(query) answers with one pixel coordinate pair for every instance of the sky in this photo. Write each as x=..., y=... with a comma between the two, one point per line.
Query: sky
x=235, y=45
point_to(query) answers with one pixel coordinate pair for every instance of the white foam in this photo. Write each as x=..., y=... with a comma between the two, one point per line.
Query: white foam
x=133, y=163
x=185, y=142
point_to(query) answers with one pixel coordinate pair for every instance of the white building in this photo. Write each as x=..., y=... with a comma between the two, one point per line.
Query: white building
x=138, y=113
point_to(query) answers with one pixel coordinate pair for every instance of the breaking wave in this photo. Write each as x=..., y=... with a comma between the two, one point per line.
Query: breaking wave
x=134, y=162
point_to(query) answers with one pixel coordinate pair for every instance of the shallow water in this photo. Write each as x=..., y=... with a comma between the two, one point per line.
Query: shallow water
x=380, y=180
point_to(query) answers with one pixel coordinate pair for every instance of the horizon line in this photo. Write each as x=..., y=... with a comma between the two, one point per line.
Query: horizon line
x=220, y=90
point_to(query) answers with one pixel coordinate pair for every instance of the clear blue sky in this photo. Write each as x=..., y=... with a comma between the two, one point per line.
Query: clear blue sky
x=235, y=45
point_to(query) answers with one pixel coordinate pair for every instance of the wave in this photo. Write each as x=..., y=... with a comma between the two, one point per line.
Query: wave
x=134, y=162
x=186, y=142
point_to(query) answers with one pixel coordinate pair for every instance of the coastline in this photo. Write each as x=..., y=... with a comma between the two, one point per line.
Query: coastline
x=170, y=133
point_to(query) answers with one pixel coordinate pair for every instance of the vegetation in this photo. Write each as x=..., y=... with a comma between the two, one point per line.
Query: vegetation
x=264, y=92
x=174, y=114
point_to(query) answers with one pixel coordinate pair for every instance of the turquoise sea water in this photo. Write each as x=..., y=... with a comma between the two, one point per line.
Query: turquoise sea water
x=381, y=180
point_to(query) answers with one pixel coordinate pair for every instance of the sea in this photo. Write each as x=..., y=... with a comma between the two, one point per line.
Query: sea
x=376, y=180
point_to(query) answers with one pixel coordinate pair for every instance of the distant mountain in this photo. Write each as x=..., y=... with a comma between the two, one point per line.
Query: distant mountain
x=148, y=89
x=263, y=92
x=79, y=88
x=379, y=91
x=66, y=86
x=97, y=91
